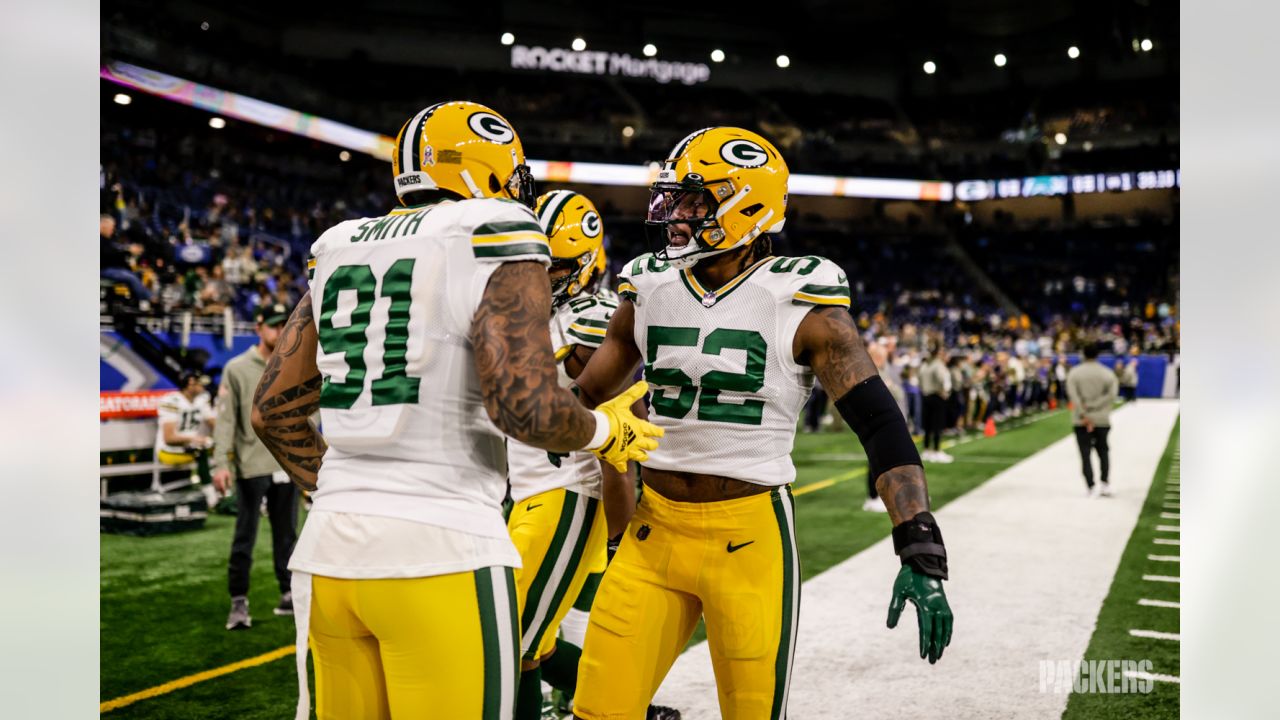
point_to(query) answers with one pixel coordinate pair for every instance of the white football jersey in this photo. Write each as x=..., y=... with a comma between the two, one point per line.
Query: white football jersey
x=725, y=385
x=400, y=404
x=581, y=321
x=189, y=415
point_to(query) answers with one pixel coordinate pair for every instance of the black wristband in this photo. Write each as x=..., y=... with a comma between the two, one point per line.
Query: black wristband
x=918, y=542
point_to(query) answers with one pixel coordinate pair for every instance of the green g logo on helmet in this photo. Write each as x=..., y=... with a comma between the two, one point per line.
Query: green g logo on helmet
x=591, y=224
x=744, y=153
x=491, y=127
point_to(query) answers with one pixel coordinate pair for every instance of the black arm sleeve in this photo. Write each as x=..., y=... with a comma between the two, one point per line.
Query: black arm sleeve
x=873, y=415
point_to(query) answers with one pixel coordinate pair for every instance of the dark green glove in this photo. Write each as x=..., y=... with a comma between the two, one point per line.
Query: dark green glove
x=932, y=611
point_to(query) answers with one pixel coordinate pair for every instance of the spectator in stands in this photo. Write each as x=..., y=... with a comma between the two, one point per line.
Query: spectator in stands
x=1129, y=377
x=955, y=401
x=935, y=386
x=115, y=260
x=242, y=460
x=215, y=295
x=1092, y=389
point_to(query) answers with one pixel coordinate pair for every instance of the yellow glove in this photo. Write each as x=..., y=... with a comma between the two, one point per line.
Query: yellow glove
x=630, y=438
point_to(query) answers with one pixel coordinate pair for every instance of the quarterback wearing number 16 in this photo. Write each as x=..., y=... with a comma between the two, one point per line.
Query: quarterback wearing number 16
x=730, y=338
x=428, y=341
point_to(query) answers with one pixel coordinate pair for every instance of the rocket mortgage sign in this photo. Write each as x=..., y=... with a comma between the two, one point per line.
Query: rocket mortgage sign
x=596, y=62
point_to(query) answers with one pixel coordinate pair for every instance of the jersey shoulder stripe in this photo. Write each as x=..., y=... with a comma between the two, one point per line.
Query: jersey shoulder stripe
x=808, y=280
x=588, y=318
x=642, y=275
x=506, y=231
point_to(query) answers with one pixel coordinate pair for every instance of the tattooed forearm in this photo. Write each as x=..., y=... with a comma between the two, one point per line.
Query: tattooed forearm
x=904, y=492
x=828, y=342
x=517, y=370
x=288, y=395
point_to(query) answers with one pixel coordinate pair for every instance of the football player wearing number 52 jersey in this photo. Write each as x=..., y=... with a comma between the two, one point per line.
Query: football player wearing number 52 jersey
x=428, y=342
x=731, y=338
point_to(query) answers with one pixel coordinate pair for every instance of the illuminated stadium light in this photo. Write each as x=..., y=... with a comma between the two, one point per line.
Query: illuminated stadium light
x=929, y=67
x=628, y=131
x=122, y=99
x=650, y=50
x=508, y=38
x=344, y=156
x=1146, y=45
x=784, y=61
x=579, y=44
x=1060, y=138
x=717, y=55
x=217, y=123
x=1001, y=60
x=1087, y=146
x=1073, y=52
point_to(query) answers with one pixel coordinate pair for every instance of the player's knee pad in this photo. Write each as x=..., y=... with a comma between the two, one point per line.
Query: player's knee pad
x=740, y=633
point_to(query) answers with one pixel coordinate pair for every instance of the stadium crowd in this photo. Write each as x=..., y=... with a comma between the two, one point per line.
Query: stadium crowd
x=210, y=222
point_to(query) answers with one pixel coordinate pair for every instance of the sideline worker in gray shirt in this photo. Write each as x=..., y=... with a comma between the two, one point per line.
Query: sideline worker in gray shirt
x=242, y=459
x=1092, y=390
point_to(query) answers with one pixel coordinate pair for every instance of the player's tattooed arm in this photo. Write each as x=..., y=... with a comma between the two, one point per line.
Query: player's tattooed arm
x=516, y=366
x=613, y=365
x=828, y=341
x=288, y=395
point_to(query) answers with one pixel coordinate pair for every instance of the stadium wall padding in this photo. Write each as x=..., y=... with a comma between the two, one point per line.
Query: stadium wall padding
x=115, y=368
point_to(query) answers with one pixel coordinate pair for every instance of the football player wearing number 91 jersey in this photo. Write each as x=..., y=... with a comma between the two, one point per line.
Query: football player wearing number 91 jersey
x=731, y=338
x=427, y=342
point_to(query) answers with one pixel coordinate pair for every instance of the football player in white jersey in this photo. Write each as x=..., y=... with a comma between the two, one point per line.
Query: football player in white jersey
x=428, y=341
x=562, y=516
x=731, y=338
x=182, y=417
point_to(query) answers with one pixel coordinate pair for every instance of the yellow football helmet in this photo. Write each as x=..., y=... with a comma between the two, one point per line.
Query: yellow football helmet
x=465, y=148
x=745, y=181
x=576, y=234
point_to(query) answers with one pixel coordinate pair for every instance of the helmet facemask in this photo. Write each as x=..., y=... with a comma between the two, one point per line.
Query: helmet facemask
x=681, y=204
x=578, y=275
x=521, y=186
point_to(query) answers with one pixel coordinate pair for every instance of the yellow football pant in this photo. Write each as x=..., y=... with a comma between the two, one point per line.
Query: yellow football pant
x=442, y=646
x=562, y=537
x=734, y=563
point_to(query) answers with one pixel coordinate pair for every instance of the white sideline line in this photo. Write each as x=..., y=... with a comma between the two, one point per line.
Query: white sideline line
x=1170, y=516
x=1162, y=578
x=1164, y=558
x=1152, y=676
x=1166, y=541
x=1160, y=603
x=1173, y=506
x=1155, y=635
x=841, y=624
x=1168, y=528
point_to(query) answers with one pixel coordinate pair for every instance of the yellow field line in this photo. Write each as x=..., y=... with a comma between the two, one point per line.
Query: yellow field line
x=193, y=679
x=828, y=482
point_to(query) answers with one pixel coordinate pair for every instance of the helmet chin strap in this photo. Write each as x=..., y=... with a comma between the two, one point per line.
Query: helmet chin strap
x=471, y=184
x=691, y=258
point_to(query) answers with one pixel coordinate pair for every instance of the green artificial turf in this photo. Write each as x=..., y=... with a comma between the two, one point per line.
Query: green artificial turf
x=164, y=599
x=1121, y=612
